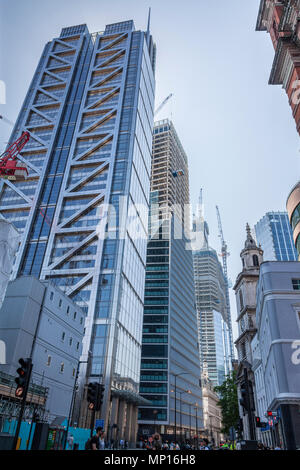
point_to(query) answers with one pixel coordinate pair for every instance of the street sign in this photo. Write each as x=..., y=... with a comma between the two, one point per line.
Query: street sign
x=99, y=423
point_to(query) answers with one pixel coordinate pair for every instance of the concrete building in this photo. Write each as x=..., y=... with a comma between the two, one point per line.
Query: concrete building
x=212, y=414
x=89, y=112
x=274, y=234
x=278, y=335
x=245, y=291
x=9, y=243
x=170, y=355
x=39, y=321
x=293, y=208
x=280, y=19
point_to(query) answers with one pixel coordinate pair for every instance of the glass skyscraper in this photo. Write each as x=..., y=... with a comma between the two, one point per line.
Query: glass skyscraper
x=170, y=347
x=89, y=112
x=274, y=234
x=211, y=309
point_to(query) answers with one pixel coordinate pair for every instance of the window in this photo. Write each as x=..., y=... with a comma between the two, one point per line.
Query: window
x=77, y=346
x=73, y=373
x=68, y=310
x=49, y=361
x=63, y=336
x=255, y=260
x=241, y=300
x=51, y=295
x=60, y=303
x=62, y=366
x=70, y=341
x=75, y=315
x=296, y=284
x=81, y=320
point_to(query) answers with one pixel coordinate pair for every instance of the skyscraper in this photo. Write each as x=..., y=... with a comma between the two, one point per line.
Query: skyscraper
x=210, y=292
x=89, y=111
x=274, y=234
x=170, y=369
x=211, y=309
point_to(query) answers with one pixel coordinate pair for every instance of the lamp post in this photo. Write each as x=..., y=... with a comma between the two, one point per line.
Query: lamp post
x=175, y=384
x=181, y=393
x=196, y=409
x=155, y=418
x=190, y=409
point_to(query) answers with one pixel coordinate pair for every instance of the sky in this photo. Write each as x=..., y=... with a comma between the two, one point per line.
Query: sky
x=238, y=131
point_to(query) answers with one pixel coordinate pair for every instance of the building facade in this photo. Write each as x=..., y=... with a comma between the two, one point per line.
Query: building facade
x=280, y=18
x=9, y=243
x=212, y=414
x=293, y=208
x=245, y=291
x=37, y=320
x=210, y=295
x=170, y=358
x=89, y=112
x=274, y=234
x=278, y=335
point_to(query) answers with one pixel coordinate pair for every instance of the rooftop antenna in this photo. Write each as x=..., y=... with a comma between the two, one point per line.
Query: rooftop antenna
x=201, y=205
x=148, y=27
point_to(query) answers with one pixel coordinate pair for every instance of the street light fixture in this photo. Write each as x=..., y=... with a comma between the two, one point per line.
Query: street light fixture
x=175, y=383
x=155, y=418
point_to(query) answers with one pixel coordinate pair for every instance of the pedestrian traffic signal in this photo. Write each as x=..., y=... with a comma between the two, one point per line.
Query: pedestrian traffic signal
x=95, y=394
x=92, y=395
x=24, y=373
x=258, y=423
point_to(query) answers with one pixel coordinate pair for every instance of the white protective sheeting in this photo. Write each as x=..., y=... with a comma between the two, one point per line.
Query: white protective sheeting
x=9, y=242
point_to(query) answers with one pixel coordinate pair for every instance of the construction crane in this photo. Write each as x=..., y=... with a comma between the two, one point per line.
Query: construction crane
x=163, y=104
x=10, y=167
x=225, y=254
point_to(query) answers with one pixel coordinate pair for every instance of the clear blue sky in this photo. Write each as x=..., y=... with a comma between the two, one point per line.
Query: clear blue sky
x=237, y=130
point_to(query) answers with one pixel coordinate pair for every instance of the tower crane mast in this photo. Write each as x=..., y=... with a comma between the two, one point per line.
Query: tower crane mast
x=225, y=254
x=10, y=167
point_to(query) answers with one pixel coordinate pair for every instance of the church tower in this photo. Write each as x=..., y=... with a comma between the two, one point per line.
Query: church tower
x=245, y=291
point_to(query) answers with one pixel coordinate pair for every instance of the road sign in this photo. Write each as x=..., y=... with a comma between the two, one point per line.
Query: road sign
x=99, y=423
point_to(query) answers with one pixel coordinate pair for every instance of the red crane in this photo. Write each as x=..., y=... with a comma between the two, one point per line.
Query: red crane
x=10, y=167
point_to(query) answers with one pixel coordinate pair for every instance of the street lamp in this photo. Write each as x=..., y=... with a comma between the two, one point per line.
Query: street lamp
x=175, y=383
x=180, y=414
x=155, y=418
x=196, y=409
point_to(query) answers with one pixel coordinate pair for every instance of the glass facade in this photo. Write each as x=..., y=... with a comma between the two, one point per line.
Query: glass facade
x=274, y=234
x=211, y=308
x=170, y=346
x=89, y=111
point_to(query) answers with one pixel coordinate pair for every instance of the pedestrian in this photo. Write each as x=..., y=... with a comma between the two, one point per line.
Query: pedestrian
x=157, y=445
x=94, y=442
x=102, y=441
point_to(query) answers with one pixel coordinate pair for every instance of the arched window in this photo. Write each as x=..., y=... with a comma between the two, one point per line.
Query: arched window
x=255, y=260
x=241, y=300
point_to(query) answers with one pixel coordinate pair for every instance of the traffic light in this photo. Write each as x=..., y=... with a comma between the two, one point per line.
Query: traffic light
x=24, y=373
x=95, y=395
x=101, y=389
x=244, y=401
x=92, y=395
x=258, y=423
